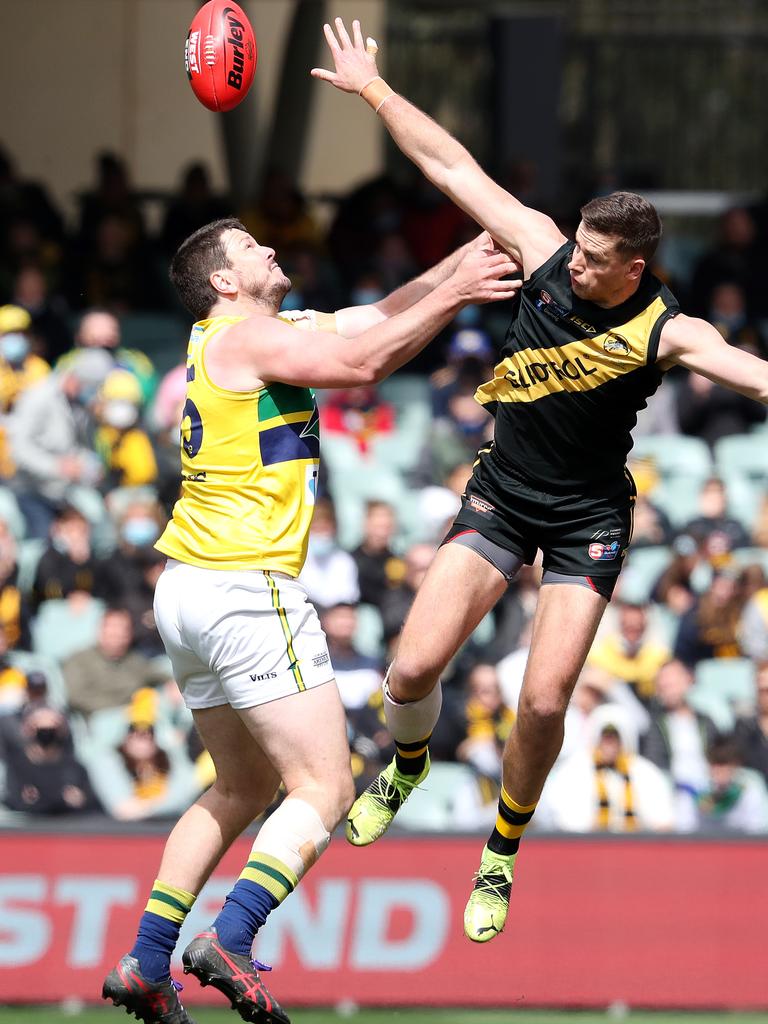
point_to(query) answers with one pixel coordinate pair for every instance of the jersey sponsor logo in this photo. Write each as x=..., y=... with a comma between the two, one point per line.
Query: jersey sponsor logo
x=615, y=343
x=530, y=374
x=483, y=508
x=546, y=304
x=289, y=442
x=311, y=478
x=587, y=328
x=604, y=552
x=261, y=676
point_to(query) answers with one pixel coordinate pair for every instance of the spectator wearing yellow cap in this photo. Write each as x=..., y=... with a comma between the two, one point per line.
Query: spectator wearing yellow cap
x=121, y=441
x=19, y=366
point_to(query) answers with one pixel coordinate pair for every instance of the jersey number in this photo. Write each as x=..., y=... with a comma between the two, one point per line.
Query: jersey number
x=191, y=429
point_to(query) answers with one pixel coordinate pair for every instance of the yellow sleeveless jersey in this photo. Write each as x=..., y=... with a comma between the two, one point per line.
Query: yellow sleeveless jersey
x=249, y=464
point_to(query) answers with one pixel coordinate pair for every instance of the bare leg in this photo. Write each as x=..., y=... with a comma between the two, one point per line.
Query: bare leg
x=245, y=785
x=459, y=589
x=564, y=627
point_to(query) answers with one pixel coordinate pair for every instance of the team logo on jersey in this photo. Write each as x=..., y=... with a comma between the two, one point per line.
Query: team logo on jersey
x=614, y=343
x=289, y=442
x=604, y=552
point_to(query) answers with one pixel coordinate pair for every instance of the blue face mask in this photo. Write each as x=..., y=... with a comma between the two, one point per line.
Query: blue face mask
x=140, y=532
x=322, y=545
x=14, y=348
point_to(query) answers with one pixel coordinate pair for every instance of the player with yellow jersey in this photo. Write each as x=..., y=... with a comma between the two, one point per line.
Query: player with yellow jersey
x=246, y=645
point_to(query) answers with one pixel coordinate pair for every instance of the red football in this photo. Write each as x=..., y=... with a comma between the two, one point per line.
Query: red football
x=220, y=55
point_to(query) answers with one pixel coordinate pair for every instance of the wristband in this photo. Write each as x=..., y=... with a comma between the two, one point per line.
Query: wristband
x=376, y=93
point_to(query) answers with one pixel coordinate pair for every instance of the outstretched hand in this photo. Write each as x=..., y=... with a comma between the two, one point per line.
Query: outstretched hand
x=483, y=274
x=354, y=59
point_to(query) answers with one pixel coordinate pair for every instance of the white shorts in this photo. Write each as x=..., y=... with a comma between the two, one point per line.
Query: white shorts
x=238, y=637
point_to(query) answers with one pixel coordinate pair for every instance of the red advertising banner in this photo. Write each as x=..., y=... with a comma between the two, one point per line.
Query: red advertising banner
x=593, y=922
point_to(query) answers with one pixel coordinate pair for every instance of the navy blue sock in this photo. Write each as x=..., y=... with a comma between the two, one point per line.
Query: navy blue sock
x=155, y=944
x=245, y=910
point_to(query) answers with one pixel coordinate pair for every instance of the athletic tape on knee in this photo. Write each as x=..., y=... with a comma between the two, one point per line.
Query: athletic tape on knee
x=294, y=834
x=415, y=720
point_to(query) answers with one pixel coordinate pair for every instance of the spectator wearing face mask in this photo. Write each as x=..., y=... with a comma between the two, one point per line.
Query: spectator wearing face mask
x=50, y=431
x=20, y=368
x=330, y=573
x=43, y=776
x=128, y=577
x=100, y=329
x=67, y=565
x=122, y=443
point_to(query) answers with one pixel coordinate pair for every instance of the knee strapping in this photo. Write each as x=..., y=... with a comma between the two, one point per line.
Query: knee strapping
x=294, y=834
x=415, y=720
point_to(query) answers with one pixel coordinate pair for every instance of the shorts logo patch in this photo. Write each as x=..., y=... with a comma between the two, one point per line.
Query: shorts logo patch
x=604, y=552
x=262, y=676
x=483, y=508
x=320, y=659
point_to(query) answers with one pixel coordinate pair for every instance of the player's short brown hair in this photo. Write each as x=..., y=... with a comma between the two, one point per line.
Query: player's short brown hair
x=629, y=218
x=195, y=260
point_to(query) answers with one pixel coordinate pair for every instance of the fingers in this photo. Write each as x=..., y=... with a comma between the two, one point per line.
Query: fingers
x=330, y=38
x=326, y=76
x=357, y=35
x=342, y=32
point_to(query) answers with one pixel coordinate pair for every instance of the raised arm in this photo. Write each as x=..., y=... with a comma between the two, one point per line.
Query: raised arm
x=264, y=349
x=353, y=320
x=696, y=344
x=528, y=235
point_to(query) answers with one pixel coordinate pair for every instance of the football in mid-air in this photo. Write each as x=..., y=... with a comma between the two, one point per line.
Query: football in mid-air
x=220, y=55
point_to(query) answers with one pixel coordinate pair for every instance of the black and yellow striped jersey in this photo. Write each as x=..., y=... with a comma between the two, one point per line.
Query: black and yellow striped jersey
x=572, y=379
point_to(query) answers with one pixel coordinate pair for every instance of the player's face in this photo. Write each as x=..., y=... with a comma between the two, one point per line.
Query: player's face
x=598, y=272
x=258, y=272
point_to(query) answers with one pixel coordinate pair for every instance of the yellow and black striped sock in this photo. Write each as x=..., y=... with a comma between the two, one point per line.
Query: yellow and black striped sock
x=511, y=822
x=411, y=758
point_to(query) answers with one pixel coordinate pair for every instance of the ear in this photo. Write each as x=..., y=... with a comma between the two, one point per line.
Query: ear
x=223, y=282
x=635, y=269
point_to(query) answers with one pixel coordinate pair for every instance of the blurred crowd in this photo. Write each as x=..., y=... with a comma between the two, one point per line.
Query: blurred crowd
x=668, y=727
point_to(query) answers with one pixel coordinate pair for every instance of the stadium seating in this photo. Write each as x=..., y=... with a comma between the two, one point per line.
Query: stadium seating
x=643, y=568
x=430, y=808
x=724, y=688
x=675, y=455
x=11, y=513
x=61, y=628
x=743, y=453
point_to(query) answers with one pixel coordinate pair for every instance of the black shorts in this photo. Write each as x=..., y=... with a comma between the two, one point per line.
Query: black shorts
x=585, y=534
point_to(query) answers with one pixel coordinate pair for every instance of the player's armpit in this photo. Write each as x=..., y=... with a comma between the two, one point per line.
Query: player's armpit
x=696, y=344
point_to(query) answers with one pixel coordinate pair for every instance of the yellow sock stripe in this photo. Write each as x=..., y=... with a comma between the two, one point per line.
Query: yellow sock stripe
x=271, y=874
x=411, y=753
x=513, y=805
x=286, y=631
x=168, y=902
x=507, y=830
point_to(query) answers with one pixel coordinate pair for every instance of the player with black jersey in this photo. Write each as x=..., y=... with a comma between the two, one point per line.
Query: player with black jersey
x=594, y=333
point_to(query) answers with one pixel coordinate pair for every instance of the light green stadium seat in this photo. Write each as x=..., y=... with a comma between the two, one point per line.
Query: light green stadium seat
x=161, y=336
x=675, y=454
x=404, y=389
x=28, y=556
x=369, y=635
x=751, y=556
x=58, y=631
x=715, y=707
x=27, y=662
x=368, y=482
x=678, y=497
x=339, y=453
x=430, y=808
x=742, y=453
x=745, y=496
x=11, y=514
x=642, y=570
x=730, y=679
